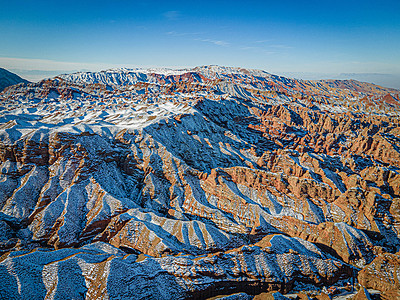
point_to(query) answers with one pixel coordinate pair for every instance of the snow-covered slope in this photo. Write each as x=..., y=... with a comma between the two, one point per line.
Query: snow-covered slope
x=221, y=179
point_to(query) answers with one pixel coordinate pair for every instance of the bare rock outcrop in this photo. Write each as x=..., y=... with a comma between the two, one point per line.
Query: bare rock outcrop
x=382, y=273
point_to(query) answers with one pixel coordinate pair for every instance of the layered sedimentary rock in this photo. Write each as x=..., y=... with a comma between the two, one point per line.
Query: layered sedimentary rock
x=202, y=172
x=382, y=274
x=101, y=271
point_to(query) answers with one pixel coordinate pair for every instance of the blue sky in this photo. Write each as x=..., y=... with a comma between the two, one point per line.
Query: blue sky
x=308, y=39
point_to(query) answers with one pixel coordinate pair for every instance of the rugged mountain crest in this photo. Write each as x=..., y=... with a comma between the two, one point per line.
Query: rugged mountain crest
x=208, y=180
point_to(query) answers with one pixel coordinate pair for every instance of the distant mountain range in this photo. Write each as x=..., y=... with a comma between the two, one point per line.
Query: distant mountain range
x=192, y=183
x=7, y=79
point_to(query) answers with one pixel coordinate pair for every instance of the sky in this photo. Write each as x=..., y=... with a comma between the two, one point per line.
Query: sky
x=302, y=39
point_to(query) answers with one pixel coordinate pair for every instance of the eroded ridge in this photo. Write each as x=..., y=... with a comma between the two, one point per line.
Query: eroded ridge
x=192, y=183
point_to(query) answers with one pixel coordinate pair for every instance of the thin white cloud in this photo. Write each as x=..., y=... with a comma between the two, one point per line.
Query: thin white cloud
x=268, y=52
x=175, y=33
x=257, y=50
x=248, y=48
x=280, y=46
x=215, y=42
x=193, y=34
x=172, y=15
x=262, y=41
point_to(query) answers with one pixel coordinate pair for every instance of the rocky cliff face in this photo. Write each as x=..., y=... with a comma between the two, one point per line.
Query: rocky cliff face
x=191, y=183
